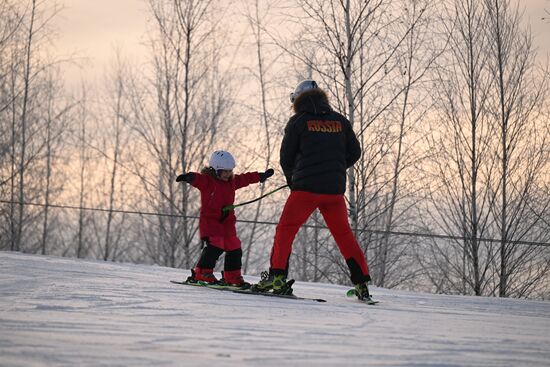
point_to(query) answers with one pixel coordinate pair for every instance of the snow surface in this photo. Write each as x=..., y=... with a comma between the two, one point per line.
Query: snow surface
x=68, y=312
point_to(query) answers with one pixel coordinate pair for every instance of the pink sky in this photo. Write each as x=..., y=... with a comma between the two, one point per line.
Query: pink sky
x=93, y=28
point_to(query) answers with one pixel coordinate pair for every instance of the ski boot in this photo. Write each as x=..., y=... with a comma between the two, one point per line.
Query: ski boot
x=276, y=283
x=233, y=278
x=362, y=292
x=202, y=275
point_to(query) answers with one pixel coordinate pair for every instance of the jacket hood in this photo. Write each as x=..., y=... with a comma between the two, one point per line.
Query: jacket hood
x=314, y=101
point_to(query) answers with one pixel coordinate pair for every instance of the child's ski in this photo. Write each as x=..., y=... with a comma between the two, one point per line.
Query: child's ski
x=368, y=301
x=209, y=285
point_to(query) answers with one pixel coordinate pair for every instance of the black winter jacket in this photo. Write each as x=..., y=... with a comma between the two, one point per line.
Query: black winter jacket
x=318, y=146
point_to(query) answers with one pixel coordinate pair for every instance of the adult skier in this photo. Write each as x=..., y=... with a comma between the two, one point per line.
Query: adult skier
x=318, y=147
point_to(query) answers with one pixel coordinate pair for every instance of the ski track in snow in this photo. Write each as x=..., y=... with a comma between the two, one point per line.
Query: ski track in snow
x=69, y=312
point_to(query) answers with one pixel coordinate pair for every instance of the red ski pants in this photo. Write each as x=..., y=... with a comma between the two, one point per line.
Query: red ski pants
x=298, y=208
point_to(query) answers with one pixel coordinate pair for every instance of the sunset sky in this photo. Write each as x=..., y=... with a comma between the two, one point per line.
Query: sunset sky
x=92, y=29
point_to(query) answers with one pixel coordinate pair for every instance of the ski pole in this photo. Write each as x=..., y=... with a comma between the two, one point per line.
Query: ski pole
x=228, y=208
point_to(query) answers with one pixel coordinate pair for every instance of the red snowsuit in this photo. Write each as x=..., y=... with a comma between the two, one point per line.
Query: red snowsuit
x=216, y=194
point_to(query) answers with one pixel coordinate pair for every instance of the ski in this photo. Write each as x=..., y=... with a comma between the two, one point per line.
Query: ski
x=289, y=295
x=269, y=294
x=209, y=285
x=241, y=290
x=368, y=301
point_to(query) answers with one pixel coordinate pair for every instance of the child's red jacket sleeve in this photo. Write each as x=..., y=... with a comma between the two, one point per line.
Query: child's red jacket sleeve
x=245, y=179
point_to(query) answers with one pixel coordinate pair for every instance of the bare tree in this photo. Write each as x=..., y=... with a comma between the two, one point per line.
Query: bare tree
x=24, y=83
x=29, y=50
x=257, y=16
x=177, y=119
x=358, y=49
x=419, y=54
x=522, y=94
x=11, y=26
x=117, y=113
x=463, y=165
x=83, y=159
x=55, y=120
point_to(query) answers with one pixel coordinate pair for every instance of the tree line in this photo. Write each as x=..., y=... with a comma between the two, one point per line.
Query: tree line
x=448, y=99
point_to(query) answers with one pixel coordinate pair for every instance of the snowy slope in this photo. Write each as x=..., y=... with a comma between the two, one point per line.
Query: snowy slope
x=67, y=312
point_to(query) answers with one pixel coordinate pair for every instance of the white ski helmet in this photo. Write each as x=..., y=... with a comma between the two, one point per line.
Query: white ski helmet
x=302, y=87
x=221, y=159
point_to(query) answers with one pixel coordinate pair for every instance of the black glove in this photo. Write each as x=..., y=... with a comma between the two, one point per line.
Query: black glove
x=187, y=177
x=267, y=174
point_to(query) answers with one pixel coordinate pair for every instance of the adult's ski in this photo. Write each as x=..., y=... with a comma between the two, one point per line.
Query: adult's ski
x=270, y=294
x=241, y=290
x=288, y=293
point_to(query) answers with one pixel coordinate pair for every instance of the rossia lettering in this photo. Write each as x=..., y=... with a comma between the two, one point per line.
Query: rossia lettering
x=324, y=126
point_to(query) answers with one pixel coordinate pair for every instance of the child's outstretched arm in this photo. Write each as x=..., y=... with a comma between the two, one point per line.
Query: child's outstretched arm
x=248, y=178
x=197, y=180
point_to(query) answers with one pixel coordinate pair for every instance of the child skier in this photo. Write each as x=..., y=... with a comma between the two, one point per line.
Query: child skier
x=217, y=185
